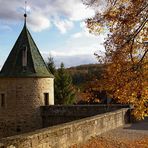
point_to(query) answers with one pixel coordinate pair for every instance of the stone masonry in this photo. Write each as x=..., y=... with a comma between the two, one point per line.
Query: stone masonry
x=67, y=134
x=24, y=96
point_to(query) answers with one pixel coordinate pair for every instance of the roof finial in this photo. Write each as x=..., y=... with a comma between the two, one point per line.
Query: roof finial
x=25, y=15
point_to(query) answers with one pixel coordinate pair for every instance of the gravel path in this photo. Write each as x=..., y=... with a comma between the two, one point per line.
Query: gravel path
x=129, y=136
x=131, y=132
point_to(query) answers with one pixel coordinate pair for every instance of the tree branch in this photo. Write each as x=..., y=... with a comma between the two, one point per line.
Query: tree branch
x=143, y=56
x=131, y=51
x=142, y=9
x=137, y=31
x=140, y=27
x=114, y=2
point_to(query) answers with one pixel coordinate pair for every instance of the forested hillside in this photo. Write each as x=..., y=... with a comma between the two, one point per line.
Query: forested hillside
x=85, y=73
x=88, y=82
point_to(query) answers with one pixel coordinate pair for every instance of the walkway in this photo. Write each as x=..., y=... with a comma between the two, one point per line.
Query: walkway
x=129, y=136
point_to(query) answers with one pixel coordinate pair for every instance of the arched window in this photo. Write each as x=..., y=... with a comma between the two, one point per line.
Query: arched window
x=24, y=57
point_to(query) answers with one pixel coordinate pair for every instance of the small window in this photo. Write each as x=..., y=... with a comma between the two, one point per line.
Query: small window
x=18, y=129
x=46, y=98
x=24, y=57
x=2, y=100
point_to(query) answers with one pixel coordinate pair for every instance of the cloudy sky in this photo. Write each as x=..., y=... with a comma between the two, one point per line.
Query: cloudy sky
x=57, y=27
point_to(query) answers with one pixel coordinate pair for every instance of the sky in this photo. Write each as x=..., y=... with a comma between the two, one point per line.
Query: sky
x=57, y=26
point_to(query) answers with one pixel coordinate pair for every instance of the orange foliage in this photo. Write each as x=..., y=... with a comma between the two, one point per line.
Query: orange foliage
x=101, y=142
x=126, y=51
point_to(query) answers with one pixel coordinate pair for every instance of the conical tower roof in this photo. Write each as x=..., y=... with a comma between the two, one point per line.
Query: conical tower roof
x=35, y=65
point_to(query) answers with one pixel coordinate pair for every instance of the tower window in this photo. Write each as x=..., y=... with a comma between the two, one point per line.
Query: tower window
x=2, y=100
x=46, y=98
x=18, y=129
x=24, y=57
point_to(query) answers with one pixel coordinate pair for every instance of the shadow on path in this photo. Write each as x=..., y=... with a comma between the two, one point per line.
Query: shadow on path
x=139, y=125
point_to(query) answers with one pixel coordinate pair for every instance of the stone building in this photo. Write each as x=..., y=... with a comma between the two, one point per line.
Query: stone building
x=25, y=85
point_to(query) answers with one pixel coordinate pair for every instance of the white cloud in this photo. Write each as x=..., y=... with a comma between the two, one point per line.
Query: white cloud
x=38, y=22
x=72, y=60
x=77, y=10
x=85, y=33
x=63, y=25
x=73, y=51
x=84, y=26
x=78, y=47
x=42, y=12
x=75, y=60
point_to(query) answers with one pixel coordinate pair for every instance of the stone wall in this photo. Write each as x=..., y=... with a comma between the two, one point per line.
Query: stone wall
x=23, y=98
x=57, y=114
x=67, y=134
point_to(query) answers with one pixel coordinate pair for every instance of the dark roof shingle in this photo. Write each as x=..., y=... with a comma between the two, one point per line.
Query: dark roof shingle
x=36, y=66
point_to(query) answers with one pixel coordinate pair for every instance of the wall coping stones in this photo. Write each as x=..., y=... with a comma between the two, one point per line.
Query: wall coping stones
x=68, y=133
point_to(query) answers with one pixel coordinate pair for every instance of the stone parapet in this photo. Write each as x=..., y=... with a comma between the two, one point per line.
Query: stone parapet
x=57, y=114
x=67, y=134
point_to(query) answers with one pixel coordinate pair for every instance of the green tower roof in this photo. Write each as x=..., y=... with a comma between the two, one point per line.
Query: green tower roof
x=35, y=65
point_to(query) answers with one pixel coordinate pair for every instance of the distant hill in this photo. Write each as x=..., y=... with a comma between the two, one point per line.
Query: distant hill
x=85, y=73
x=84, y=78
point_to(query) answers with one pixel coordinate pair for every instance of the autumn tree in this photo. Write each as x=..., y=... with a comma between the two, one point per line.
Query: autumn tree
x=93, y=94
x=126, y=48
x=64, y=90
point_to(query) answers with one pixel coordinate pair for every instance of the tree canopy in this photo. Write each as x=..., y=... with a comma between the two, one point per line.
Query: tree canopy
x=64, y=91
x=51, y=65
x=126, y=48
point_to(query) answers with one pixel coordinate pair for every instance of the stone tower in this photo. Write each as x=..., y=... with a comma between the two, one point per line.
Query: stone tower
x=25, y=85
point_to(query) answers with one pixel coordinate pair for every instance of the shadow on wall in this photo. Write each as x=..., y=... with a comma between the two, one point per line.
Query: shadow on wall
x=57, y=114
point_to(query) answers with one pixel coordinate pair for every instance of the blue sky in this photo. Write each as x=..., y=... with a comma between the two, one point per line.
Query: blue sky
x=57, y=27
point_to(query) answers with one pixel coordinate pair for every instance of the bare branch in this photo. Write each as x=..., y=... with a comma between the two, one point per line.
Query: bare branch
x=143, y=56
x=132, y=36
x=131, y=51
x=140, y=27
x=114, y=2
x=142, y=9
x=88, y=2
